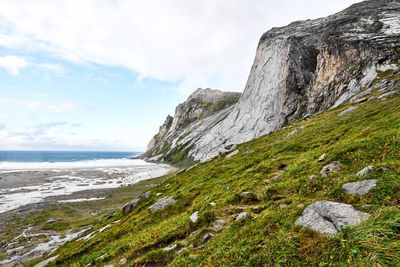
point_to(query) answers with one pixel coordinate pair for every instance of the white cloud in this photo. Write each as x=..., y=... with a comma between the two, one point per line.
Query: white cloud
x=53, y=107
x=204, y=43
x=12, y=64
x=55, y=68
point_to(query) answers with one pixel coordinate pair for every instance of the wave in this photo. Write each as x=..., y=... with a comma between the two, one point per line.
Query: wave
x=72, y=165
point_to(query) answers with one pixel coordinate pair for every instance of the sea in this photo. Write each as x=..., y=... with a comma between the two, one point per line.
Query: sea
x=29, y=177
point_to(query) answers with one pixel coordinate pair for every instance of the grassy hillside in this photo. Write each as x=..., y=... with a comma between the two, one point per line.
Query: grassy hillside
x=277, y=170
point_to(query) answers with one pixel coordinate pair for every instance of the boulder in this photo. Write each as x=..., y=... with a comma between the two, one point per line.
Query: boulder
x=218, y=225
x=242, y=216
x=194, y=216
x=162, y=203
x=331, y=167
x=128, y=208
x=327, y=217
x=365, y=171
x=122, y=261
x=359, y=188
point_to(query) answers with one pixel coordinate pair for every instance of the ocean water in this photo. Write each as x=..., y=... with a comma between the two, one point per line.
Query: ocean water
x=63, y=159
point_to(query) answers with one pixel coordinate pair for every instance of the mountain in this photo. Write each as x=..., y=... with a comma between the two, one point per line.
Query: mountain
x=299, y=70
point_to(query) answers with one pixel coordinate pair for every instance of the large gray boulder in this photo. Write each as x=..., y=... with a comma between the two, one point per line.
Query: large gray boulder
x=359, y=188
x=162, y=203
x=327, y=217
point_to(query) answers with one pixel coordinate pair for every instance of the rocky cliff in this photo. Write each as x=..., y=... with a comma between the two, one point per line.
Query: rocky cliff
x=299, y=70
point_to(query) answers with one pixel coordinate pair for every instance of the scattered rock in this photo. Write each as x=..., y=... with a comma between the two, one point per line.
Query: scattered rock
x=232, y=154
x=206, y=197
x=312, y=177
x=359, y=188
x=327, y=217
x=257, y=209
x=360, y=100
x=173, y=247
x=365, y=171
x=165, y=186
x=181, y=250
x=300, y=205
x=331, y=167
x=158, y=194
x=162, y=203
x=181, y=171
x=128, y=208
x=248, y=197
x=322, y=157
x=347, y=111
x=282, y=205
x=194, y=216
x=122, y=261
x=52, y=220
x=206, y=237
x=242, y=216
x=382, y=169
x=213, y=203
x=218, y=225
x=294, y=132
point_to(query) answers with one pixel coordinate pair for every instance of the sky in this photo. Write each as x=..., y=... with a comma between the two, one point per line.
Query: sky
x=102, y=75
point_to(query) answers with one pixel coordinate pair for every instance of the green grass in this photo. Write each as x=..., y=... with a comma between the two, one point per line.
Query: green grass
x=369, y=135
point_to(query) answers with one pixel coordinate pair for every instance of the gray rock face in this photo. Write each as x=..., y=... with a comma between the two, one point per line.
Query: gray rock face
x=299, y=70
x=162, y=203
x=344, y=112
x=359, y=188
x=232, y=154
x=365, y=171
x=328, y=217
x=331, y=167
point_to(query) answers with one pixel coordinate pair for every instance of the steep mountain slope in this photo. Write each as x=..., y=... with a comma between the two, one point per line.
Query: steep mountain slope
x=300, y=70
x=282, y=176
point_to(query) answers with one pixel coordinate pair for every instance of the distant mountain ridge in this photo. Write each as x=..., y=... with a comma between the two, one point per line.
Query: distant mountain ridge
x=299, y=70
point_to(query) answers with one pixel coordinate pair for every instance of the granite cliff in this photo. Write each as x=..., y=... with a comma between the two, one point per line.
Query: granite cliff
x=299, y=70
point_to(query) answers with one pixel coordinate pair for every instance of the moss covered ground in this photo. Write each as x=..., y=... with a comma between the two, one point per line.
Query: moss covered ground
x=277, y=170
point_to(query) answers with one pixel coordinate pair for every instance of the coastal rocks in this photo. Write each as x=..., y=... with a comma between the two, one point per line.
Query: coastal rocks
x=128, y=208
x=359, y=188
x=194, y=216
x=243, y=216
x=162, y=203
x=365, y=171
x=331, y=167
x=344, y=112
x=327, y=217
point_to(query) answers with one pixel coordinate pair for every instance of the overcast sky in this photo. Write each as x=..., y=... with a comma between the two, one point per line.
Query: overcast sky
x=103, y=75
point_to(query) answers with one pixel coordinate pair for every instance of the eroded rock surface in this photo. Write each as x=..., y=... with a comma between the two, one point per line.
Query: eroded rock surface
x=162, y=203
x=327, y=217
x=359, y=188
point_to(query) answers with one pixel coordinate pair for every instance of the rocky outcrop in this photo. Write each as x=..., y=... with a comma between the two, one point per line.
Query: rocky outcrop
x=360, y=188
x=162, y=203
x=299, y=70
x=327, y=217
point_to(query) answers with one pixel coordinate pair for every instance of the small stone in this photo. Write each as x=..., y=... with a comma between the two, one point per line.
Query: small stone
x=218, y=223
x=213, y=203
x=128, y=208
x=146, y=195
x=227, y=188
x=331, y=167
x=194, y=216
x=243, y=216
x=122, y=261
x=232, y=154
x=206, y=237
x=182, y=250
x=300, y=206
x=360, y=100
x=158, y=194
x=165, y=186
x=294, y=132
x=382, y=169
x=282, y=205
x=322, y=157
x=347, y=111
x=365, y=171
x=359, y=188
x=206, y=197
x=173, y=247
x=257, y=209
x=51, y=220
x=312, y=177
x=162, y=203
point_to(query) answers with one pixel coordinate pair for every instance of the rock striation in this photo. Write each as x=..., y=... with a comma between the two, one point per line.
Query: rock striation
x=299, y=70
